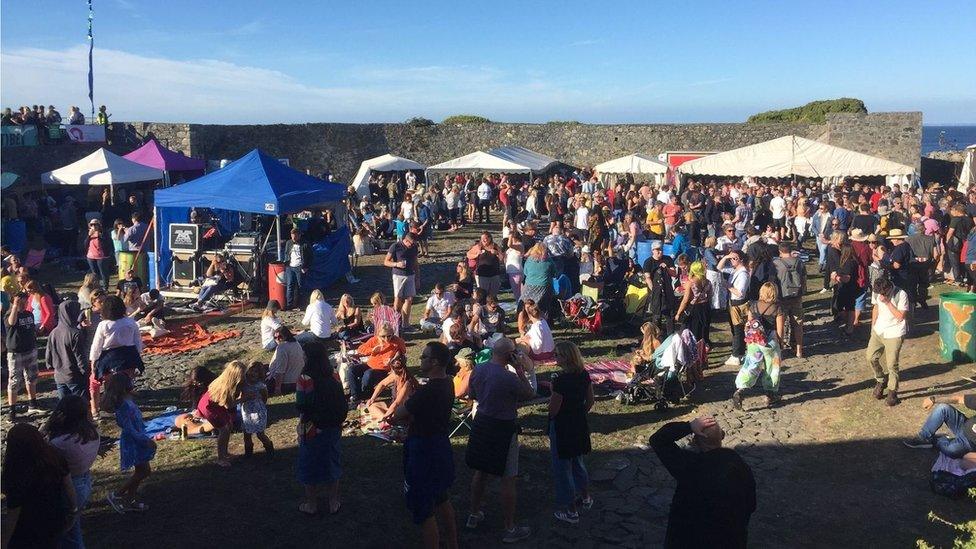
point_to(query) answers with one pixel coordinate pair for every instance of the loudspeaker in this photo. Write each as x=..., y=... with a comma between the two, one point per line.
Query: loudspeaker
x=186, y=269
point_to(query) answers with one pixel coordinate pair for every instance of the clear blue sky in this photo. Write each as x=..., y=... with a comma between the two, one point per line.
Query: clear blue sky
x=308, y=61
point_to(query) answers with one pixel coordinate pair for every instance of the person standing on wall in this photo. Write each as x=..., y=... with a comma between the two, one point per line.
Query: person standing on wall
x=402, y=258
x=299, y=258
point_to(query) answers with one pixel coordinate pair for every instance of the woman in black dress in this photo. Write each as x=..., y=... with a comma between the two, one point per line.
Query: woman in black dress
x=569, y=432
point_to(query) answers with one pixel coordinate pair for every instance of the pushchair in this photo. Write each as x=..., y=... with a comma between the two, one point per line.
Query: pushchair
x=671, y=375
x=584, y=311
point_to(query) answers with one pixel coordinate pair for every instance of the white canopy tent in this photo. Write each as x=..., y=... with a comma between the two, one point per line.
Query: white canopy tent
x=479, y=161
x=536, y=162
x=968, y=175
x=633, y=164
x=385, y=163
x=793, y=155
x=101, y=168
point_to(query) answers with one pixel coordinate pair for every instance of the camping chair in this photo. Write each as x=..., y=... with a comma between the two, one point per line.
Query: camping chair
x=463, y=413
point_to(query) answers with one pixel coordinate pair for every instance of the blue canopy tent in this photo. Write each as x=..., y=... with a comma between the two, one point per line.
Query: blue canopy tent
x=259, y=184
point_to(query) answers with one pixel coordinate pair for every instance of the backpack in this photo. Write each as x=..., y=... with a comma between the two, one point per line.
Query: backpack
x=790, y=282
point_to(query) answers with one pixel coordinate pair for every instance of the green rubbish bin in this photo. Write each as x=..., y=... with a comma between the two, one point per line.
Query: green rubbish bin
x=957, y=326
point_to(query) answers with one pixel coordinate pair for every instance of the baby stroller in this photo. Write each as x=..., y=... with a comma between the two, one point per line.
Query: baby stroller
x=670, y=376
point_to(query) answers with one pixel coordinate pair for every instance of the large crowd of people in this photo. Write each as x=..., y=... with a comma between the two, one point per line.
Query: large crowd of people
x=730, y=252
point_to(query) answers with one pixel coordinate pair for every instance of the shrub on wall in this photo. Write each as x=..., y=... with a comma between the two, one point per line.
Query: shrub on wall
x=419, y=122
x=814, y=112
x=466, y=119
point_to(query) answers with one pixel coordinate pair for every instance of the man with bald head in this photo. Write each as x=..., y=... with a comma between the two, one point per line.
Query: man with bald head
x=716, y=491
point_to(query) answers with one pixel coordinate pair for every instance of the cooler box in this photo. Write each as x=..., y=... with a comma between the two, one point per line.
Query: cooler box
x=643, y=252
x=276, y=282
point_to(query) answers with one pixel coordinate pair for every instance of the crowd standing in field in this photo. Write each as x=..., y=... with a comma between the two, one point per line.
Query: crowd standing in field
x=709, y=250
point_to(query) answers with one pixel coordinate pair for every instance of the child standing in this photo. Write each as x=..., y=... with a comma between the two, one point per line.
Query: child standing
x=254, y=409
x=136, y=448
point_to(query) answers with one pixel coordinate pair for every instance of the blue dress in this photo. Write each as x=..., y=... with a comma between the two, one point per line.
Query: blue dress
x=134, y=447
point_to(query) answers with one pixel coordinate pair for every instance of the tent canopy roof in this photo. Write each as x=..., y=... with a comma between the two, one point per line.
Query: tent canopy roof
x=479, y=161
x=793, y=155
x=101, y=168
x=384, y=163
x=536, y=162
x=255, y=183
x=632, y=163
x=152, y=154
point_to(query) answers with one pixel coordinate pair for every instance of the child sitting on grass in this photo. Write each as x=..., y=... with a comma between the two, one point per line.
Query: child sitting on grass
x=254, y=409
x=136, y=448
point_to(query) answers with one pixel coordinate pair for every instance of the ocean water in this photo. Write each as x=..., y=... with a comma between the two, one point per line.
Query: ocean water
x=935, y=138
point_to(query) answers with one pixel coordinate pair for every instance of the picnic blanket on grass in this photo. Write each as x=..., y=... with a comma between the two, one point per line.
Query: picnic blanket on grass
x=184, y=337
x=614, y=374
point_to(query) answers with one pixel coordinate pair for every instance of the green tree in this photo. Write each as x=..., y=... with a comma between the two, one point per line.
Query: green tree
x=814, y=112
x=466, y=119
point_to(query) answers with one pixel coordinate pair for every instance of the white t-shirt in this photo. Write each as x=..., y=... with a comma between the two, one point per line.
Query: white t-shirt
x=484, y=191
x=582, y=213
x=406, y=208
x=296, y=256
x=540, y=338
x=887, y=326
x=319, y=317
x=664, y=197
x=513, y=261
x=446, y=330
x=778, y=206
x=441, y=305
x=268, y=326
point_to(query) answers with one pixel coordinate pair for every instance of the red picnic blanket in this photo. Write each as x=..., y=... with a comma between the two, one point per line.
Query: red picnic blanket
x=611, y=373
x=183, y=337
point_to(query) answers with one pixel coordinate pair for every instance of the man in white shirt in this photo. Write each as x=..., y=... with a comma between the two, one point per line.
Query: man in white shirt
x=777, y=205
x=888, y=329
x=664, y=196
x=582, y=219
x=438, y=309
x=728, y=241
x=484, y=202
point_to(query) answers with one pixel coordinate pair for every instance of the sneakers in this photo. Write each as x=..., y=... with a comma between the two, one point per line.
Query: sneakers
x=34, y=408
x=586, y=503
x=737, y=400
x=116, y=502
x=732, y=361
x=825, y=290
x=518, y=533
x=879, y=388
x=918, y=442
x=566, y=516
x=474, y=519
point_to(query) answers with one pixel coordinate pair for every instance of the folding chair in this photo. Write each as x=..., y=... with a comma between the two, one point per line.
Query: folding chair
x=463, y=413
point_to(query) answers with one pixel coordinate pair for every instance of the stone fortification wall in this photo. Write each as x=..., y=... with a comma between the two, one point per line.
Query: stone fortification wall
x=340, y=148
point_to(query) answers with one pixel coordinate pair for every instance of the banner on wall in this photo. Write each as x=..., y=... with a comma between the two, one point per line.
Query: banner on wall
x=19, y=136
x=88, y=133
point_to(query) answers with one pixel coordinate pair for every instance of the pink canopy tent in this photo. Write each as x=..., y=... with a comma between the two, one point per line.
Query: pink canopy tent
x=157, y=156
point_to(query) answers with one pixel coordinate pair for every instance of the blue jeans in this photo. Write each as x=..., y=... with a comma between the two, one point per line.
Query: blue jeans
x=569, y=475
x=822, y=250
x=72, y=388
x=83, y=486
x=954, y=420
x=293, y=284
x=98, y=268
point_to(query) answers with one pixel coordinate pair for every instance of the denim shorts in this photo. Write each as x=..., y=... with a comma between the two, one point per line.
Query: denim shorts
x=861, y=301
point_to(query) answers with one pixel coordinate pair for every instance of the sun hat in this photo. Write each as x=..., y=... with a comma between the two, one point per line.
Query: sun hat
x=873, y=238
x=895, y=233
x=465, y=353
x=857, y=235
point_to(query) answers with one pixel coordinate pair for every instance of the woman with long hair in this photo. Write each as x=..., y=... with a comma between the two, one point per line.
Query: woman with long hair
x=764, y=332
x=88, y=285
x=696, y=302
x=218, y=403
x=319, y=317
x=569, y=432
x=538, y=273
x=97, y=249
x=71, y=431
x=40, y=498
x=349, y=318
x=42, y=306
x=513, y=265
x=842, y=272
x=383, y=314
x=269, y=323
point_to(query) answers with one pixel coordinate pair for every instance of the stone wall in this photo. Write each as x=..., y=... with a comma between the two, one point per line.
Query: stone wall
x=340, y=148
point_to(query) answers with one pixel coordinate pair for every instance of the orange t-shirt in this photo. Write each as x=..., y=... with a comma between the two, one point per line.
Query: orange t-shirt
x=378, y=356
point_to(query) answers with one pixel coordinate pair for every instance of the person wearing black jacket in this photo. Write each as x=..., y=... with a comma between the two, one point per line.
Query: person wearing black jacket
x=298, y=260
x=716, y=492
x=65, y=352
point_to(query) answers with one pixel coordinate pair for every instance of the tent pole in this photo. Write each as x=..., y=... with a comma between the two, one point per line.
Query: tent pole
x=278, y=241
x=156, y=246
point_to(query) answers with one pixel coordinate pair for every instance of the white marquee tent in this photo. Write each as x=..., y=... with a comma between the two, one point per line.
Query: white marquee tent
x=385, y=163
x=793, y=155
x=633, y=164
x=479, y=161
x=968, y=175
x=101, y=168
x=536, y=162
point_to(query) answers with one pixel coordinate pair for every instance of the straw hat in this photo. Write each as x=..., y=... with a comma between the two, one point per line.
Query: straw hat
x=872, y=238
x=895, y=233
x=857, y=235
